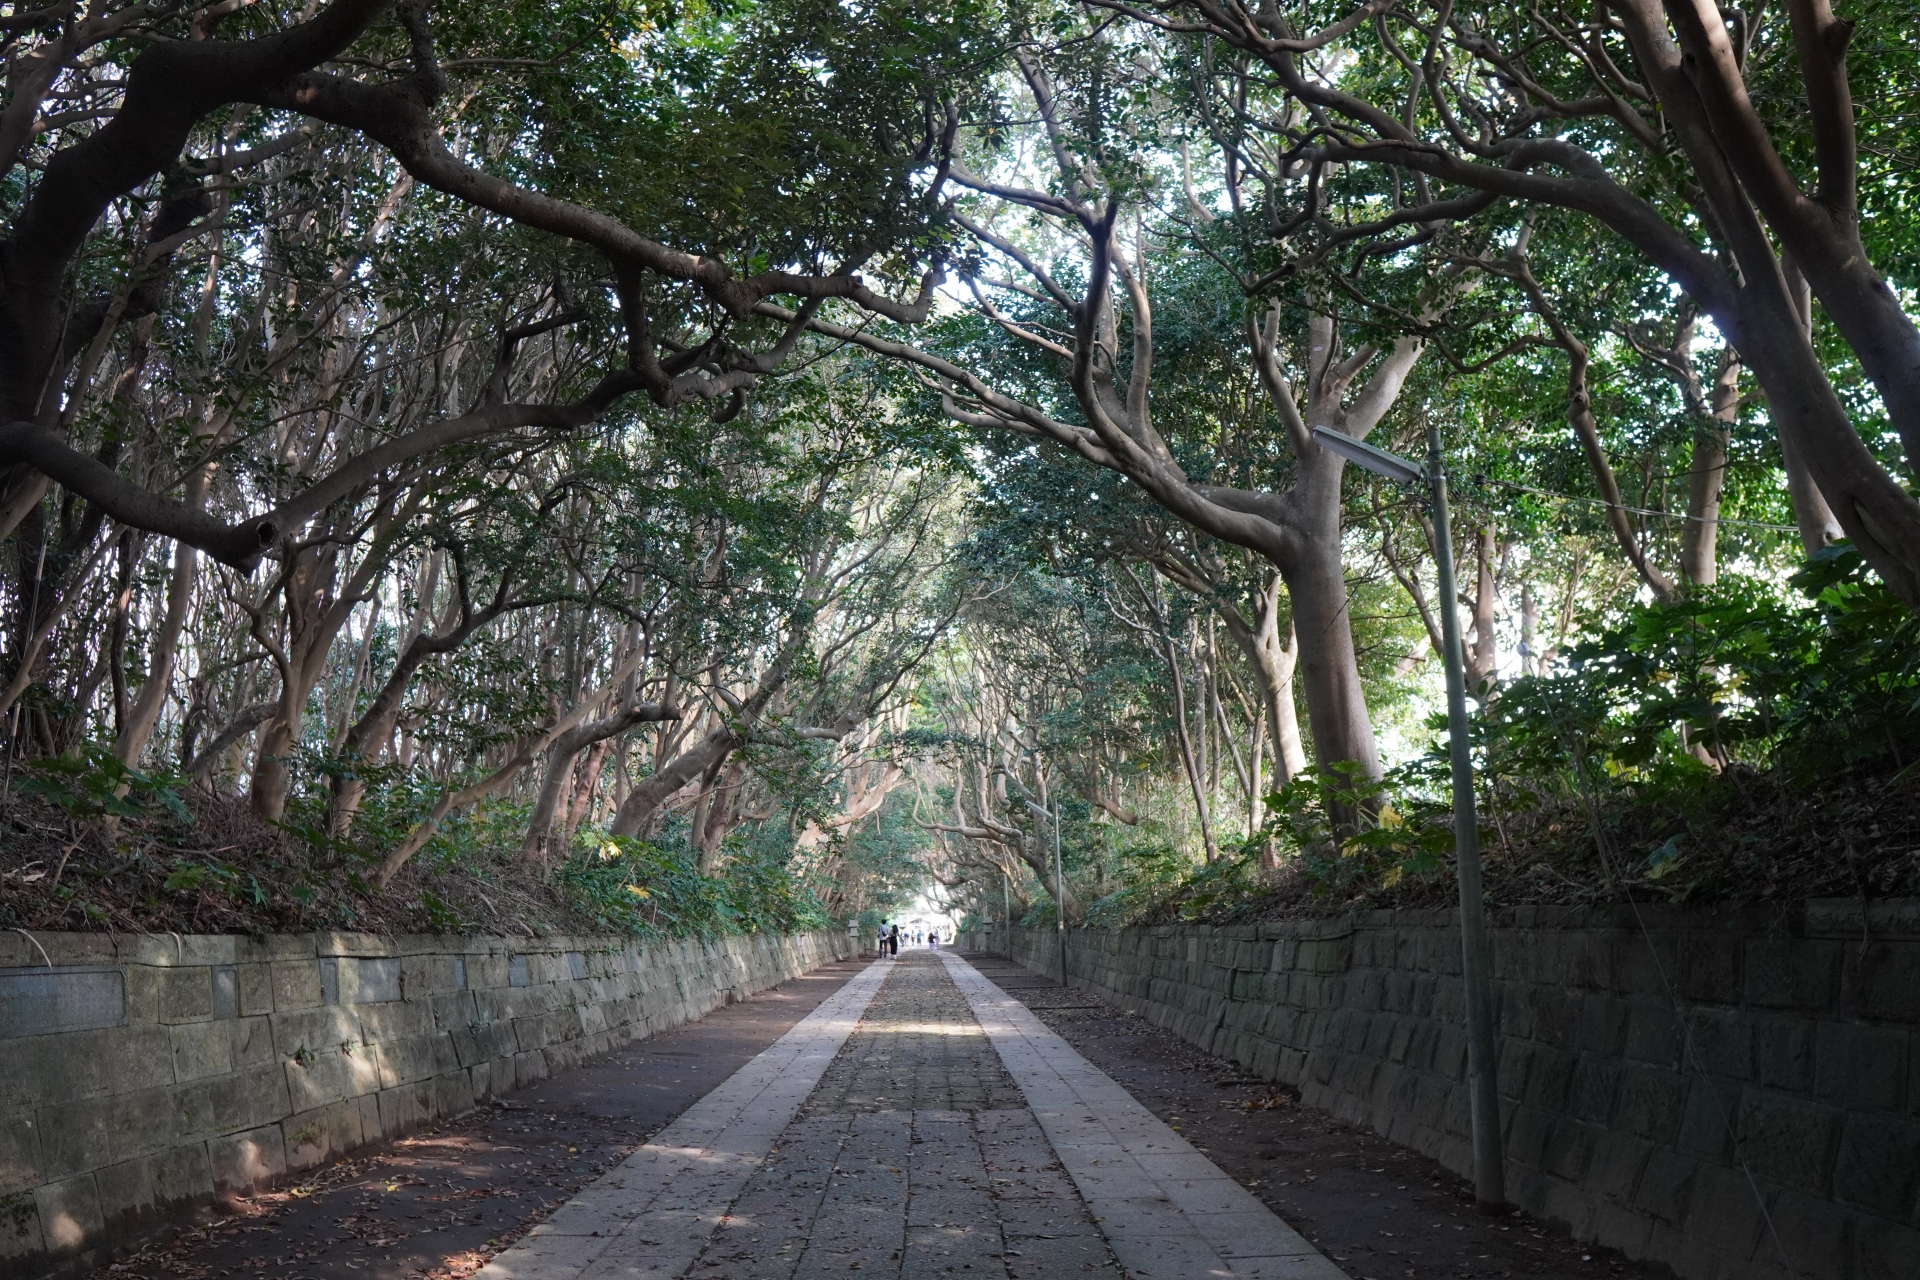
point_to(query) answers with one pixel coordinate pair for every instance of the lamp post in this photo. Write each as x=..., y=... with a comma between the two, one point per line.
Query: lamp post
x=1489, y=1169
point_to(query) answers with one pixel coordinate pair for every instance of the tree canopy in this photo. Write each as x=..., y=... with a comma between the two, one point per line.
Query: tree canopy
x=750, y=464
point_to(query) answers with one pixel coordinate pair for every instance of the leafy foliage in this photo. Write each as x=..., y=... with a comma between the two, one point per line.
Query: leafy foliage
x=633, y=886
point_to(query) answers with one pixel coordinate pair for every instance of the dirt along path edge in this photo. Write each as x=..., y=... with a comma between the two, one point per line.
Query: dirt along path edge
x=438, y=1205
x=1378, y=1210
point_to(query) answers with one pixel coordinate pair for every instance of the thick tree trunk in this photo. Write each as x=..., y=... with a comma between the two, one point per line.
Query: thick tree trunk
x=1529, y=631
x=717, y=813
x=1187, y=758
x=1587, y=432
x=1707, y=473
x=1483, y=651
x=586, y=785
x=1819, y=527
x=1879, y=515
x=560, y=757
x=1329, y=670
x=654, y=790
x=1282, y=660
x=138, y=730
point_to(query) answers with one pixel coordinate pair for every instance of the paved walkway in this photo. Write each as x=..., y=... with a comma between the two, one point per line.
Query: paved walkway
x=919, y=1123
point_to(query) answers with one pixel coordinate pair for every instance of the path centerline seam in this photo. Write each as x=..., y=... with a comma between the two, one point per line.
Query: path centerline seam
x=1167, y=1211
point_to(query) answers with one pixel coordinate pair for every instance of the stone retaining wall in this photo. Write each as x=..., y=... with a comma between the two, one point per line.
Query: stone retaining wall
x=142, y=1075
x=1735, y=1093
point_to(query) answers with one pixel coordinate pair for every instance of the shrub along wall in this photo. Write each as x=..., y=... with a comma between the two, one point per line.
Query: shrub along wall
x=143, y=1075
x=1735, y=1093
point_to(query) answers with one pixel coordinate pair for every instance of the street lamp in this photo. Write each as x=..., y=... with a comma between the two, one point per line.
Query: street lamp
x=1489, y=1171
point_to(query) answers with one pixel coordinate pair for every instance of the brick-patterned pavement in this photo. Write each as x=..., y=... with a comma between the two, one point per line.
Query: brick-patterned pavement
x=914, y=1157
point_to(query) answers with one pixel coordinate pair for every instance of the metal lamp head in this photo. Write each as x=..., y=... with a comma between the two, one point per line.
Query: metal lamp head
x=1379, y=461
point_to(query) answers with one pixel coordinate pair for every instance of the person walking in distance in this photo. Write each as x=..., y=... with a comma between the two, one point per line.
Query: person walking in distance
x=893, y=940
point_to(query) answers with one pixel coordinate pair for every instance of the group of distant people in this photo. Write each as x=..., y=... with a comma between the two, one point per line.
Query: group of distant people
x=892, y=936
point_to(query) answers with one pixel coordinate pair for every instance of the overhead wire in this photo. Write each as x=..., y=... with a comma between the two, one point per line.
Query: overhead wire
x=1638, y=511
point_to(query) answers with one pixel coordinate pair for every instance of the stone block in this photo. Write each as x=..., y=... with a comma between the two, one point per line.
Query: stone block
x=431, y=975
x=1549, y=1078
x=1878, y=1168
x=329, y=1077
x=226, y=991
x=406, y=1108
x=452, y=1094
x=369, y=981
x=1886, y=980
x=296, y=984
x=1721, y=1042
x=1710, y=968
x=1618, y=1227
x=186, y=995
x=1596, y=1084
x=1801, y=974
x=1665, y=1185
x=1569, y=1149
x=1641, y=964
x=1603, y=1024
x=66, y=950
x=395, y=1020
x=48, y=1002
x=368, y=1105
x=531, y=1068
x=314, y=1029
x=451, y=1010
x=1783, y=1053
x=273, y=946
x=125, y=1191
x=1883, y=1251
x=244, y=1100
x=69, y=1213
x=255, y=982
x=1527, y=1132
x=50, y=1070
x=253, y=1042
x=1616, y=1165
x=1723, y=1211
x=1788, y=1141
x=79, y=1136
x=352, y=944
x=142, y=985
x=486, y=972
x=1653, y=1033
x=247, y=1162
x=202, y=1049
x=316, y=1136
x=1708, y=1123
x=180, y=1175
x=1861, y=1066
x=19, y=1152
x=1568, y=1202
x=1650, y=1103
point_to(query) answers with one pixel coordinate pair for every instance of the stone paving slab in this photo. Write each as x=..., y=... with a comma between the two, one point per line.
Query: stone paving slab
x=1167, y=1211
x=653, y=1214
x=915, y=1126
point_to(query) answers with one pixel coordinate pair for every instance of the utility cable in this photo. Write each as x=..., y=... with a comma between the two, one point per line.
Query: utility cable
x=1638, y=511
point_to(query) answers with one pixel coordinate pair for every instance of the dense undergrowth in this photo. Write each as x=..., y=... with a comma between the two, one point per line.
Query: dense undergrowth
x=88, y=845
x=1736, y=746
